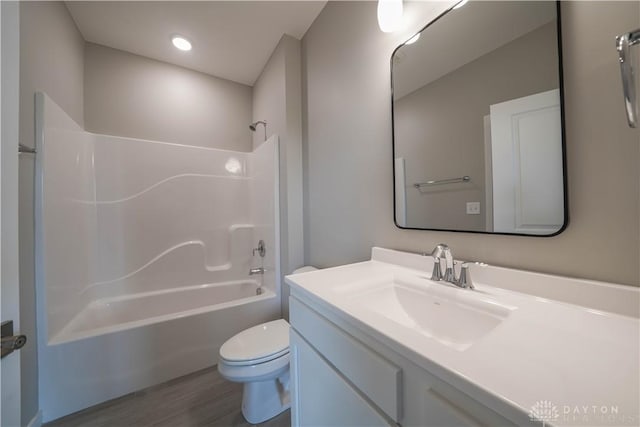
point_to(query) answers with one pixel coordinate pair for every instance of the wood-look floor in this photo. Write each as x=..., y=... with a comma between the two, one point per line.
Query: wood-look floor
x=203, y=398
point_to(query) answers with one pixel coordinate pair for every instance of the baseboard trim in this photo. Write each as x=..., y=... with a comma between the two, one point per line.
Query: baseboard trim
x=36, y=421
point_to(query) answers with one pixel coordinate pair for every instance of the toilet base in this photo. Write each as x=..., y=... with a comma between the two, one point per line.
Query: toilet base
x=263, y=400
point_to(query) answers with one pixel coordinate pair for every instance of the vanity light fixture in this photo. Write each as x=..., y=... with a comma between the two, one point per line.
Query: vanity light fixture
x=389, y=15
x=181, y=43
x=459, y=5
x=413, y=39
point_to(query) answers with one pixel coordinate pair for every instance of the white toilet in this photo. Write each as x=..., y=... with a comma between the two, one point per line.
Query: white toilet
x=259, y=358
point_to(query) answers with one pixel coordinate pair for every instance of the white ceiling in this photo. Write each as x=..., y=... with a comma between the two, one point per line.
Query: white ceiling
x=231, y=39
x=464, y=35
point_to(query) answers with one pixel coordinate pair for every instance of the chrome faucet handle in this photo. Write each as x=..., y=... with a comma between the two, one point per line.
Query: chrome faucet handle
x=464, y=280
x=436, y=274
x=261, y=250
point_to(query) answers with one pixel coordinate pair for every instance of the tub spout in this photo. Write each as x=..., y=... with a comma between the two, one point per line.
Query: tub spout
x=258, y=270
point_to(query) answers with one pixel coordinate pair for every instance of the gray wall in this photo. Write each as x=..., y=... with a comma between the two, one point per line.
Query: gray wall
x=348, y=181
x=277, y=97
x=51, y=61
x=133, y=96
x=442, y=136
x=269, y=96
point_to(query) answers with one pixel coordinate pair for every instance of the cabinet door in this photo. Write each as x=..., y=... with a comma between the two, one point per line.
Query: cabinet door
x=321, y=396
x=366, y=370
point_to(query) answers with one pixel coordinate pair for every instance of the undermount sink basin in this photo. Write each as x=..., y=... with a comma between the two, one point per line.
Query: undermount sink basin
x=441, y=314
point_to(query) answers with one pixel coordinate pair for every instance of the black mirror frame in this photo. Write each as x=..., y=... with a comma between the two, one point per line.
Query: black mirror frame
x=563, y=136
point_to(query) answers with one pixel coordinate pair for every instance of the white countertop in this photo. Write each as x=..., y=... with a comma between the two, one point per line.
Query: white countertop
x=569, y=355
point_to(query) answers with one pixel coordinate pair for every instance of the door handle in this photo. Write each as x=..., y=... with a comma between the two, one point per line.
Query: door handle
x=9, y=342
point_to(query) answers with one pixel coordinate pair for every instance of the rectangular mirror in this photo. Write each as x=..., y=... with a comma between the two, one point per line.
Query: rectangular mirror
x=478, y=140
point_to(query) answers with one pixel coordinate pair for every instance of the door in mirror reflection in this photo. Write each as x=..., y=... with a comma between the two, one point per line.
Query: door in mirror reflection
x=478, y=128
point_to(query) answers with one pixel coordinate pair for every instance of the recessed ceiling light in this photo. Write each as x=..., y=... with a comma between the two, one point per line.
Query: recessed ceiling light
x=181, y=43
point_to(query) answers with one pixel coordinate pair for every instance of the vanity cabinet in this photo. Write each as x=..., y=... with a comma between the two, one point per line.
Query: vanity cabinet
x=414, y=352
x=341, y=376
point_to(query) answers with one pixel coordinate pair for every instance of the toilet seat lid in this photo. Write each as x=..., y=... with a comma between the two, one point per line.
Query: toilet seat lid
x=258, y=342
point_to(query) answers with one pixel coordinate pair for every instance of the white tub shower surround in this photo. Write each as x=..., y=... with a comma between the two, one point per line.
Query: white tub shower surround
x=143, y=253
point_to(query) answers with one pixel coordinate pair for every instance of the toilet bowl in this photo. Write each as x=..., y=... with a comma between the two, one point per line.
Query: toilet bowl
x=259, y=358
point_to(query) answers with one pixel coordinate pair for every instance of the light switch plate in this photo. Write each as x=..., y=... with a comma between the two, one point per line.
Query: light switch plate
x=473, y=208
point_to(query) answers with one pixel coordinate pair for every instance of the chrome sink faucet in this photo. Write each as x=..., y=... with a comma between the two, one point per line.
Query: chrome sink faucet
x=442, y=251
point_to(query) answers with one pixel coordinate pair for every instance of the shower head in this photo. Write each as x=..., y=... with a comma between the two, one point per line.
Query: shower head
x=253, y=126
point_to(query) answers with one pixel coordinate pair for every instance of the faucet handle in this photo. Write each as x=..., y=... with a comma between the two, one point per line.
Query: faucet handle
x=436, y=274
x=261, y=250
x=464, y=280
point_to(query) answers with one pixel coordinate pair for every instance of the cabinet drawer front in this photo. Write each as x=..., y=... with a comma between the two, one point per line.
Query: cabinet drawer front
x=321, y=397
x=373, y=375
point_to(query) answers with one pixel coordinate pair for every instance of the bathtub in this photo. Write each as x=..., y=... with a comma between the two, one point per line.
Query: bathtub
x=120, y=345
x=143, y=253
x=109, y=315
